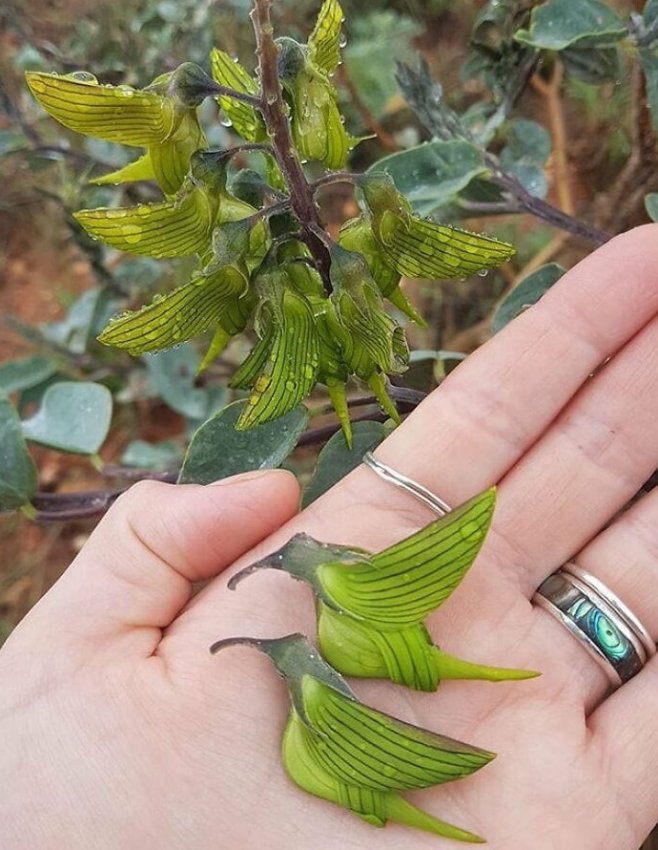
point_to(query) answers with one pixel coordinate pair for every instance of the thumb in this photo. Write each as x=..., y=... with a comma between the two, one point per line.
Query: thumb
x=135, y=572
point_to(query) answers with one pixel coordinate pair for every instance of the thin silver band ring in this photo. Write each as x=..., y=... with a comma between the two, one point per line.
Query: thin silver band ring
x=592, y=613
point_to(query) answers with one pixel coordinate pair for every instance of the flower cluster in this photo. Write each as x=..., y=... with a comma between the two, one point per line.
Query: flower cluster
x=257, y=270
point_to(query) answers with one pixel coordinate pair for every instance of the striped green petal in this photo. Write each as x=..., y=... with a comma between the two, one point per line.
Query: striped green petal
x=172, y=228
x=138, y=169
x=246, y=121
x=357, y=235
x=114, y=113
x=178, y=316
x=290, y=371
x=425, y=249
x=406, y=582
x=302, y=759
x=356, y=648
x=171, y=158
x=365, y=747
x=324, y=41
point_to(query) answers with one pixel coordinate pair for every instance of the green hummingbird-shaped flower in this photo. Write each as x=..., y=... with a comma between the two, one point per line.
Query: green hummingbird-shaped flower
x=216, y=297
x=371, y=608
x=341, y=750
x=179, y=226
x=305, y=70
x=161, y=118
x=416, y=247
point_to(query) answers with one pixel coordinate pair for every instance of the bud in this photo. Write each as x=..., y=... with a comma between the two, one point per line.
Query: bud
x=317, y=125
x=319, y=752
x=282, y=367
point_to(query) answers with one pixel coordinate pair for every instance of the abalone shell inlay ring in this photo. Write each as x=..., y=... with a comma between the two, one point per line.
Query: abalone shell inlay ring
x=599, y=620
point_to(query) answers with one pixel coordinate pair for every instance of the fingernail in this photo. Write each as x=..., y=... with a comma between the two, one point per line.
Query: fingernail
x=249, y=476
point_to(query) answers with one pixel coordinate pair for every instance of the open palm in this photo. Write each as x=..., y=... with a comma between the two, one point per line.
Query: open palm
x=121, y=731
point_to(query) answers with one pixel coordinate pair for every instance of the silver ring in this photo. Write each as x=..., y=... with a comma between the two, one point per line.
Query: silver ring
x=593, y=614
x=598, y=619
x=405, y=483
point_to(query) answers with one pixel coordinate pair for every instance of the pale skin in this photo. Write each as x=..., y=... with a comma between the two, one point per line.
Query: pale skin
x=119, y=730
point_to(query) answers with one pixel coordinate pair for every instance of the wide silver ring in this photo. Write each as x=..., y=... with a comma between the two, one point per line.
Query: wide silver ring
x=598, y=619
x=603, y=625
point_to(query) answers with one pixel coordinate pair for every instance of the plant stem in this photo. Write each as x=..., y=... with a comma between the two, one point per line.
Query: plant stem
x=60, y=507
x=542, y=209
x=274, y=112
x=225, y=91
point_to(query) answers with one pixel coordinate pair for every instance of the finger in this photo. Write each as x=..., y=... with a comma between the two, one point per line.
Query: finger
x=136, y=571
x=486, y=415
x=471, y=430
x=588, y=464
x=625, y=558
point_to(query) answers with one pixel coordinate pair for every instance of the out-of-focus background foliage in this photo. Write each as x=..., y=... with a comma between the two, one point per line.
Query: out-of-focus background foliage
x=596, y=158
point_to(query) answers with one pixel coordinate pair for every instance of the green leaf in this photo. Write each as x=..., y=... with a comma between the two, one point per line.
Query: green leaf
x=649, y=63
x=324, y=41
x=525, y=154
x=562, y=23
x=431, y=174
x=218, y=449
x=651, y=205
x=73, y=417
x=18, y=475
x=162, y=456
x=376, y=35
x=336, y=460
x=74, y=332
x=25, y=372
x=593, y=65
x=172, y=375
x=527, y=293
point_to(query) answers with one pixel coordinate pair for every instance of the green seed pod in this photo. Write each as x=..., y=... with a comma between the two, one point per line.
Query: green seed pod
x=321, y=755
x=371, y=608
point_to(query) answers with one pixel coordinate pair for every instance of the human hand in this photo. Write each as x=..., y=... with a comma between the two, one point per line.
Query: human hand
x=124, y=736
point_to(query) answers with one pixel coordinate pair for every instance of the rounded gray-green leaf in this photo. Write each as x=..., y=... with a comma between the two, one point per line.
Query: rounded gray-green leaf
x=431, y=174
x=25, y=372
x=527, y=293
x=73, y=417
x=218, y=450
x=336, y=460
x=18, y=475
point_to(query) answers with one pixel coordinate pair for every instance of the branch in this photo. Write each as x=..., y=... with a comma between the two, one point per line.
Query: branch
x=542, y=209
x=59, y=507
x=225, y=91
x=275, y=114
